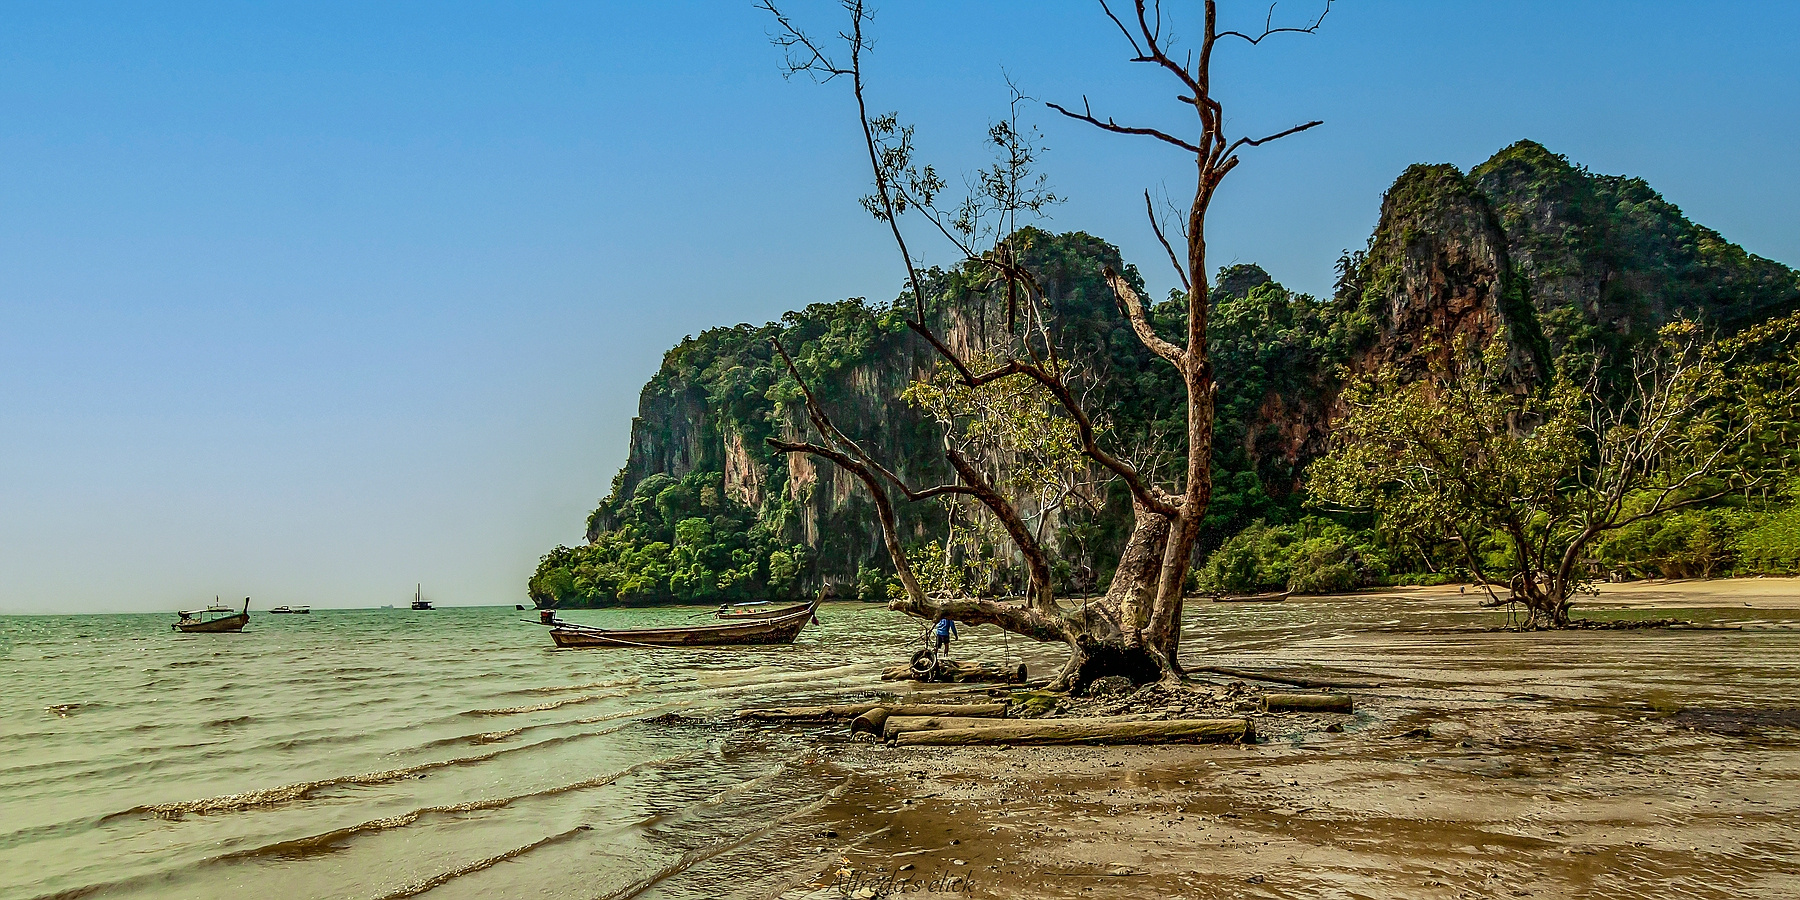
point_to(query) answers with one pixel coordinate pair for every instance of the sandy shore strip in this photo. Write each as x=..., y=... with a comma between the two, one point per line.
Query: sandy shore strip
x=1670, y=593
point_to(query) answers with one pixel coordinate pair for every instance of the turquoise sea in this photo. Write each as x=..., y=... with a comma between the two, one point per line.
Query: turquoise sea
x=386, y=753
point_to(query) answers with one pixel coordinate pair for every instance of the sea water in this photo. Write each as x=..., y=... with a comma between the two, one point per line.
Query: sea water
x=386, y=753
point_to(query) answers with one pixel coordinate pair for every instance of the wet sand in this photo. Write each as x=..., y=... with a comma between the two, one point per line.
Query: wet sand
x=1652, y=763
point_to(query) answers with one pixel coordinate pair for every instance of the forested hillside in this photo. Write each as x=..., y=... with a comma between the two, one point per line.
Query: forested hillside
x=1563, y=265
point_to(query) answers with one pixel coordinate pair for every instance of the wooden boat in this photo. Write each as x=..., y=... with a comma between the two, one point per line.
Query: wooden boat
x=224, y=620
x=759, y=610
x=1275, y=597
x=290, y=611
x=779, y=630
x=419, y=601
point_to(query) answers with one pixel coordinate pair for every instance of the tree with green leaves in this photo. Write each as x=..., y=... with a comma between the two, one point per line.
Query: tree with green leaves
x=1539, y=475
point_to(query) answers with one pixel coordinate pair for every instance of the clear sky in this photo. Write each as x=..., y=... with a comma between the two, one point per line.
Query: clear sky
x=311, y=302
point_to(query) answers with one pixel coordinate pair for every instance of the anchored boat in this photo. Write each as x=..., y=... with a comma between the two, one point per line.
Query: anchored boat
x=1275, y=597
x=761, y=609
x=223, y=619
x=419, y=601
x=291, y=611
x=780, y=629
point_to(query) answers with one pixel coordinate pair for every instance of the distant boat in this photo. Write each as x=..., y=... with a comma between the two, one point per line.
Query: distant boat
x=419, y=601
x=224, y=619
x=761, y=609
x=781, y=630
x=1274, y=597
x=290, y=610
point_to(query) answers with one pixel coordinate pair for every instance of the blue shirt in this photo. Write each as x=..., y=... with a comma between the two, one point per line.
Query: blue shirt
x=946, y=628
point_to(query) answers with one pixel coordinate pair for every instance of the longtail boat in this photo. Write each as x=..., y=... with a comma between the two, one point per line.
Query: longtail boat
x=760, y=610
x=1275, y=597
x=779, y=630
x=196, y=621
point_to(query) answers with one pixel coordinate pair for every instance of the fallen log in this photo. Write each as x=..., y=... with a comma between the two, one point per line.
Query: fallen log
x=1338, y=703
x=1295, y=680
x=870, y=722
x=832, y=713
x=898, y=724
x=1085, y=731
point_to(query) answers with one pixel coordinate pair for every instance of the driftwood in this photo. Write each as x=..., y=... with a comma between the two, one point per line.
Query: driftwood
x=831, y=713
x=870, y=722
x=894, y=725
x=1339, y=703
x=1295, y=680
x=1085, y=731
x=954, y=671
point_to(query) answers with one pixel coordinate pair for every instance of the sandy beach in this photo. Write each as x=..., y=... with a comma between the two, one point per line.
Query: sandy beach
x=1688, y=593
x=1644, y=763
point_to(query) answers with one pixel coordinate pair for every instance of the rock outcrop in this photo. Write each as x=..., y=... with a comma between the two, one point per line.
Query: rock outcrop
x=1526, y=248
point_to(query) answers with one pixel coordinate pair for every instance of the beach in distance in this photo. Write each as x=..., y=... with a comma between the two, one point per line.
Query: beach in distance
x=388, y=753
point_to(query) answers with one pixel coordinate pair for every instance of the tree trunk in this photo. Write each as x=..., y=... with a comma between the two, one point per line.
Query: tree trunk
x=1133, y=588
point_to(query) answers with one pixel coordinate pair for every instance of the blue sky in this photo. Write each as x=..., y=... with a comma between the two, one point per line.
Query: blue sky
x=313, y=302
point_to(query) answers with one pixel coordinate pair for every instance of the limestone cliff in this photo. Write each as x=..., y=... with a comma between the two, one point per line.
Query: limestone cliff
x=1528, y=248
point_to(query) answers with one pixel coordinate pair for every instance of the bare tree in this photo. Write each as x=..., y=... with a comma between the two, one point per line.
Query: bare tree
x=1135, y=628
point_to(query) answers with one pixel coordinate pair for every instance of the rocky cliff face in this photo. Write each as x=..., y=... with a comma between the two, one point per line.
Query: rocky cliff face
x=1606, y=260
x=719, y=396
x=1526, y=248
x=1439, y=268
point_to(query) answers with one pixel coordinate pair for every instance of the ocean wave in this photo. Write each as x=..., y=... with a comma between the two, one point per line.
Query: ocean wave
x=301, y=790
x=436, y=881
x=548, y=705
x=562, y=688
x=331, y=841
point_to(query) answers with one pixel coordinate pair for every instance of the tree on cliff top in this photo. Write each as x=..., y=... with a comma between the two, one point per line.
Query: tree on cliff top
x=1135, y=628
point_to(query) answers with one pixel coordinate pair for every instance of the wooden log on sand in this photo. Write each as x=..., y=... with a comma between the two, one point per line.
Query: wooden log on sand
x=1338, y=703
x=870, y=722
x=1084, y=731
x=895, y=725
x=834, y=713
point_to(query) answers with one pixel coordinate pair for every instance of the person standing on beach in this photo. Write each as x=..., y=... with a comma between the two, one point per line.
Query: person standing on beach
x=946, y=630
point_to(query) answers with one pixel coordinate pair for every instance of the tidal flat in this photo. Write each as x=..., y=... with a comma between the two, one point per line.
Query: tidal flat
x=1629, y=763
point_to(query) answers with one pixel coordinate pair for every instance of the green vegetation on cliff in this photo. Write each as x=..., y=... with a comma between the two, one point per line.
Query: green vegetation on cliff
x=677, y=540
x=1566, y=265
x=1609, y=260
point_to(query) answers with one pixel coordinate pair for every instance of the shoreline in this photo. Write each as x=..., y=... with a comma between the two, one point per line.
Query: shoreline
x=1763, y=591
x=1752, y=591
